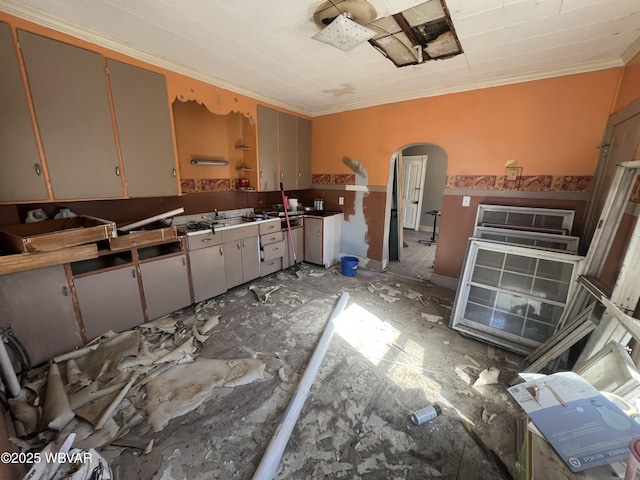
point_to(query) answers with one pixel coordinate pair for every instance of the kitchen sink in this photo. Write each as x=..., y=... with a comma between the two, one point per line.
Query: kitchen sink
x=229, y=222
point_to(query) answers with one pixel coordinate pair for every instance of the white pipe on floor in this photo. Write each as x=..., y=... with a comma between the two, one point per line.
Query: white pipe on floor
x=271, y=458
x=8, y=373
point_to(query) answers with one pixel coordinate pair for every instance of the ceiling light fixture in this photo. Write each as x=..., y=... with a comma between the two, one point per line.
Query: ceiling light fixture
x=210, y=163
x=344, y=33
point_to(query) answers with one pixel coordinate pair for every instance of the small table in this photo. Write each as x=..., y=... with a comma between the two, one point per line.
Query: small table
x=436, y=214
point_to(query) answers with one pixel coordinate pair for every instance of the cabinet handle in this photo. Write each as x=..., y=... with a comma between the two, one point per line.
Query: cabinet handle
x=65, y=291
x=261, y=174
x=173, y=170
x=38, y=169
x=281, y=174
x=319, y=233
x=221, y=251
x=184, y=262
x=239, y=246
x=244, y=244
x=206, y=240
x=277, y=248
x=117, y=171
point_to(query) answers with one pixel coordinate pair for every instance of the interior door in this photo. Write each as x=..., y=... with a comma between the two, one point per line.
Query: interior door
x=412, y=188
x=622, y=140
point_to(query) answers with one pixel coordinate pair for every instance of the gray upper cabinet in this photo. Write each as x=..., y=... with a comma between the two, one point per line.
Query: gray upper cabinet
x=142, y=116
x=268, y=148
x=284, y=150
x=303, y=129
x=21, y=175
x=287, y=150
x=69, y=91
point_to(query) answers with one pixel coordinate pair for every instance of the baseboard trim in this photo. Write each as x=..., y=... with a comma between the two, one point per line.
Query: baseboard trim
x=442, y=281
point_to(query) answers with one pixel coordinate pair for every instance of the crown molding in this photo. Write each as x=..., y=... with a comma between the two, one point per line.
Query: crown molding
x=394, y=98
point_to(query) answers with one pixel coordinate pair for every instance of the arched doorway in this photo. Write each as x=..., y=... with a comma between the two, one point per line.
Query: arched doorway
x=413, y=196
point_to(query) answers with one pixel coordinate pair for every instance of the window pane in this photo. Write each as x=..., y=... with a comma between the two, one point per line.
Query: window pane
x=548, y=221
x=507, y=323
x=482, y=296
x=555, y=270
x=512, y=303
x=478, y=313
x=551, y=290
x=486, y=276
x=538, y=332
x=520, y=264
x=494, y=217
x=545, y=312
x=516, y=283
x=489, y=258
x=521, y=219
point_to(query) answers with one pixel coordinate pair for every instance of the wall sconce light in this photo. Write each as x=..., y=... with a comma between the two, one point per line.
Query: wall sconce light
x=210, y=163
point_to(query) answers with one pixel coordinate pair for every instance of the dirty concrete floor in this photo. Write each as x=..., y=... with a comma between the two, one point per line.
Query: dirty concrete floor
x=389, y=357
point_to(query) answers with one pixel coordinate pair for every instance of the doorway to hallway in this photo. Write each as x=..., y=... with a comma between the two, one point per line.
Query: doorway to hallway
x=416, y=187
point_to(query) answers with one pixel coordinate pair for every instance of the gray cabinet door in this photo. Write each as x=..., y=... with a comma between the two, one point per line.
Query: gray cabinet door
x=287, y=150
x=313, y=236
x=166, y=285
x=233, y=263
x=39, y=307
x=207, y=272
x=268, y=149
x=298, y=244
x=250, y=259
x=141, y=107
x=21, y=176
x=69, y=91
x=304, y=153
x=109, y=301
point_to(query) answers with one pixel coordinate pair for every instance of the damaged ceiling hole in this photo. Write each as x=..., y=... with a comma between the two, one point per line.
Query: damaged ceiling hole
x=411, y=37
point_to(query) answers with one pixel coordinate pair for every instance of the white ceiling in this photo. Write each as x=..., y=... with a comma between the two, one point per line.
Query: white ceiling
x=263, y=48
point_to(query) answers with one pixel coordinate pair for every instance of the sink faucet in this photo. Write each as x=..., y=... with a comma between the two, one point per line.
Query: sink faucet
x=217, y=215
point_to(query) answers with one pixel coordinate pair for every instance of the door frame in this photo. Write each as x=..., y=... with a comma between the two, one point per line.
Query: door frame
x=592, y=216
x=423, y=173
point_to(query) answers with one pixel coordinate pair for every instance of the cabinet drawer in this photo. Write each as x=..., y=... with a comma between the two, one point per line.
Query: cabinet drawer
x=203, y=240
x=270, y=238
x=269, y=226
x=270, y=266
x=275, y=250
x=238, y=233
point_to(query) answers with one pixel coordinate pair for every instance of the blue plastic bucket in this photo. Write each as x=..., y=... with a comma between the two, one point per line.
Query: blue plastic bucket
x=349, y=265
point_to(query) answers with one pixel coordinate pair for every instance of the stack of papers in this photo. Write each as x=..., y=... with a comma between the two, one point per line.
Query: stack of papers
x=584, y=427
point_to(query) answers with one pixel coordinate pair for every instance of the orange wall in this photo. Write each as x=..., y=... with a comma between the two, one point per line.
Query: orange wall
x=200, y=134
x=551, y=126
x=630, y=84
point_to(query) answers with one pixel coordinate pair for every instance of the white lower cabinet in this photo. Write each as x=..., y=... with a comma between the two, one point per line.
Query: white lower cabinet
x=165, y=283
x=109, y=300
x=208, y=272
x=206, y=261
x=38, y=305
x=241, y=255
x=322, y=239
x=297, y=233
